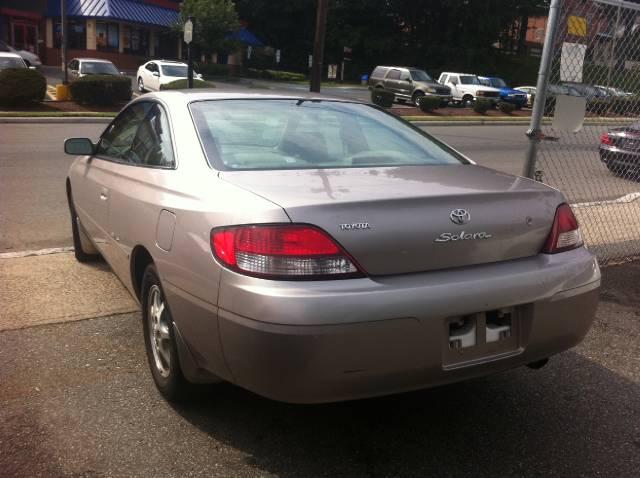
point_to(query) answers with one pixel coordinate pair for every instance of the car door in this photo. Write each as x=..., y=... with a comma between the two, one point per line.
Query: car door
x=152, y=80
x=454, y=84
x=391, y=80
x=405, y=84
x=136, y=186
x=95, y=176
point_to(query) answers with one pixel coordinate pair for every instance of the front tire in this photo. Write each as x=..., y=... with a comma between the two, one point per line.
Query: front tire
x=467, y=101
x=415, y=99
x=160, y=340
x=141, y=87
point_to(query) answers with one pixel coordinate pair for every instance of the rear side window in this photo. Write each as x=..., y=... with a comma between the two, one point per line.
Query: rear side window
x=152, y=144
x=303, y=134
x=444, y=79
x=378, y=72
x=394, y=75
x=117, y=140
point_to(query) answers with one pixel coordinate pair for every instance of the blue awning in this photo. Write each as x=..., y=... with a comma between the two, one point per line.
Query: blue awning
x=131, y=11
x=245, y=36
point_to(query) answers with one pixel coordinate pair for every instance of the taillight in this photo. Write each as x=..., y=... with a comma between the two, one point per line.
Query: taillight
x=606, y=140
x=282, y=251
x=565, y=232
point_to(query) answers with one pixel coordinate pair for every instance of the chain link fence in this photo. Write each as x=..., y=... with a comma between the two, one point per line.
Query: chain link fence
x=584, y=141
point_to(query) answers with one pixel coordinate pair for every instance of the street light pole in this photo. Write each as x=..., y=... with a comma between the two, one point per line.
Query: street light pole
x=63, y=39
x=318, y=46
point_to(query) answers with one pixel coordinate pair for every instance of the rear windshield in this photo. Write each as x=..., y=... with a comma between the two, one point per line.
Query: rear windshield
x=98, y=68
x=304, y=134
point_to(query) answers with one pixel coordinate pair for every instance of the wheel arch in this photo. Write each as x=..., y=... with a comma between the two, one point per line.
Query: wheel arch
x=140, y=259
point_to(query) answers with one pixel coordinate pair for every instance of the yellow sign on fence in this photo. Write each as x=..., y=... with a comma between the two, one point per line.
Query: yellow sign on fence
x=577, y=26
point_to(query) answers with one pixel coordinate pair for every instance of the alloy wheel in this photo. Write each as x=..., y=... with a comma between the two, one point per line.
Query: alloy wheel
x=159, y=335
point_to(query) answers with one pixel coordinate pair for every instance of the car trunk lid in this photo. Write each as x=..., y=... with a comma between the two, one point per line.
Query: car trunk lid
x=396, y=220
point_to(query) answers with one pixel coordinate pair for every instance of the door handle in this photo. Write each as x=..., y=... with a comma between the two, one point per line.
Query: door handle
x=104, y=194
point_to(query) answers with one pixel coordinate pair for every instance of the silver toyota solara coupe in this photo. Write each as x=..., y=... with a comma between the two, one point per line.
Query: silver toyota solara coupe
x=312, y=249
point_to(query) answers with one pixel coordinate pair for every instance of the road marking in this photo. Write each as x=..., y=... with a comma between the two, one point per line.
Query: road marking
x=40, y=252
x=627, y=198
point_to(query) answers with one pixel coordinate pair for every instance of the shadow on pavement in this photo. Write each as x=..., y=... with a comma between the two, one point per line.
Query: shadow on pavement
x=573, y=418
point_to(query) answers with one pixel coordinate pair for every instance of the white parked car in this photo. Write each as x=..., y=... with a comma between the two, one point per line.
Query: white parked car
x=530, y=91
x=79, y=67
x=466, y=88
x=31, y=59
x=11, y=60
x=155, y=73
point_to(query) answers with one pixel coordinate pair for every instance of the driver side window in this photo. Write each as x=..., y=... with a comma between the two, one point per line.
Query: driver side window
x=117, y=140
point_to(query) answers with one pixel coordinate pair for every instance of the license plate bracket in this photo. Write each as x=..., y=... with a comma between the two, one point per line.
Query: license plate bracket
x=480, y=336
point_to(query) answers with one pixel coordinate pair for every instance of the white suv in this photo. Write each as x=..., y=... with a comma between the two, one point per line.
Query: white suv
x=465, y=88
x=155, y=73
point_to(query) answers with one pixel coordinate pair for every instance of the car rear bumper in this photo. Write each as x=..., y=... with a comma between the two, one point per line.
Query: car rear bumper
x=615, y=156
x=308, y=342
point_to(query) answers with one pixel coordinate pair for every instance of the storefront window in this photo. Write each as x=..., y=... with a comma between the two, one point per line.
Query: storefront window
x=135, y=40
x=76, y=35
x=107, y=36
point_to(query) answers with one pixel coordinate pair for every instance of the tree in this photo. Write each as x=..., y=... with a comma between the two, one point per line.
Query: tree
x=214, y=20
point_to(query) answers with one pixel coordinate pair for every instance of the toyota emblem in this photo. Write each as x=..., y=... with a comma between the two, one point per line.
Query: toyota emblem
x=460, y=216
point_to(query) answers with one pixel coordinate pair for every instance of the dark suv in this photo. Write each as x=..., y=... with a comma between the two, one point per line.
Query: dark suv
x=408, y=84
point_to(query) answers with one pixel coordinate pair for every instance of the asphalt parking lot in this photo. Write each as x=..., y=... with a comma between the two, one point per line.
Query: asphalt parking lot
x=77, y=400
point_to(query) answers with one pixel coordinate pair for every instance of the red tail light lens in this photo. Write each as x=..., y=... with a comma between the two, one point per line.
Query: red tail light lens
x=565, y=233
x=606, y=140
x=282, y=251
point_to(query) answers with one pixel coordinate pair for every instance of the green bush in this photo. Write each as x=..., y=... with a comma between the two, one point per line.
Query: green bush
x=382, y=98
x=183, y=85
x=274, y=75
x=481, y=106
x=21, y=87
x=506, y=108
x=429, y=103
x=213, y=69
x=101, y=90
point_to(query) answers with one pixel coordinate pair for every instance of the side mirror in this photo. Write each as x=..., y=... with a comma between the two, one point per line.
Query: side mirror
x=156, y=73
x=408, y=80
x=79, y=147
x=454, y=81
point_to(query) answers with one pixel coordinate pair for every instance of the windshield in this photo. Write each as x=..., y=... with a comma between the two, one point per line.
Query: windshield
x=98, y=68
x=303, y=134
x=419, y=75
x=469, y=80
x=9, y=62
x=175, y=70
x=497, y=83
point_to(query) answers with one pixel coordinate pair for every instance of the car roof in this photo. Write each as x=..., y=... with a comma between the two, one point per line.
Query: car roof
x=457, y=73
x=97, y=60
x=8, y=54
x=205, y=94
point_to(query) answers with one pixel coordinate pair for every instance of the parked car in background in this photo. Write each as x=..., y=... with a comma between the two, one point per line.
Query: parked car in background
x=508, y=95
x=153, y=74
x=314, y=249
x=31, y=59
x=617, y=92
x=11, y=60
x=466, y=88
x=79, y=67
x=408, y=84
x=530, y=91
x=620, y=150
x=598, y=99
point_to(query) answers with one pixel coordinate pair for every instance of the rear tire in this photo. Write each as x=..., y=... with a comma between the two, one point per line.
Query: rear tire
x=415, y=99
x=79, y=236
x=160, y=340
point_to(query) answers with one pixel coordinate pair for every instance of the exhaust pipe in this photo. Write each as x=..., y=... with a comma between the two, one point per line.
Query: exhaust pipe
x=538, y=364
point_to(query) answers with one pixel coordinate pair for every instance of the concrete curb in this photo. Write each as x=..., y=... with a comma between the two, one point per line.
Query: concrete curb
x=52, y=119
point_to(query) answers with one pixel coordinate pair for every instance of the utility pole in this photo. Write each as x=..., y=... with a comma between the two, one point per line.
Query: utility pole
x=318, y=46
x=63, y=39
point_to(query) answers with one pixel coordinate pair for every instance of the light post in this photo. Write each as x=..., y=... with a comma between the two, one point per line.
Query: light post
x=63, y=39
x=188, y=38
